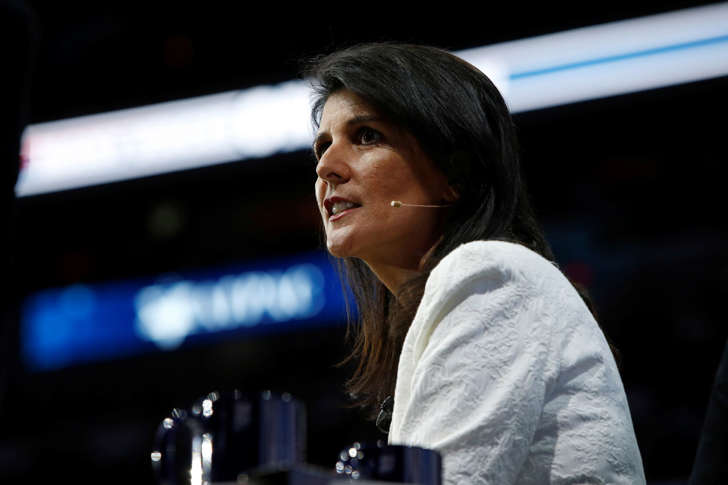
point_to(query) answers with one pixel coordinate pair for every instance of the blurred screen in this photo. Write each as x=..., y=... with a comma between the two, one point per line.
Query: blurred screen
x=84, y=323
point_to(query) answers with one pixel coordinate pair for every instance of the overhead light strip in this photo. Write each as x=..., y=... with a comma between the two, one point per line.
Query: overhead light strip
x=621, y=57
x=534, y=73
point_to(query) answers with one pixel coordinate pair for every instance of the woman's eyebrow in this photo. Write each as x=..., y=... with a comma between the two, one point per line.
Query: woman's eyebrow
x=363, y=119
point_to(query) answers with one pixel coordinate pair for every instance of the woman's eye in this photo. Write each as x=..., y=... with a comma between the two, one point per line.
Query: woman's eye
x=368, y=135
x=320, y=149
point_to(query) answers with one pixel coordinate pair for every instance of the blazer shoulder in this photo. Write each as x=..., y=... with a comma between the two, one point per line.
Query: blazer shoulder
x=502, y=260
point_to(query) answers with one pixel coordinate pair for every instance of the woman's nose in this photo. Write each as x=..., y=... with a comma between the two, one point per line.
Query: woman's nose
x=332, y=167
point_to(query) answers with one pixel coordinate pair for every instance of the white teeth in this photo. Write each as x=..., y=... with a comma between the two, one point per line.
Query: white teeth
x=341, y=206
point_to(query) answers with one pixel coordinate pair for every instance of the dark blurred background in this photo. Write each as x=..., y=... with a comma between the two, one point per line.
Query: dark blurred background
x=628, y=189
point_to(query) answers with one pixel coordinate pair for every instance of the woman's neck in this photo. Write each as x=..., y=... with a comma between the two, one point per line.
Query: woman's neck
x=394, y=275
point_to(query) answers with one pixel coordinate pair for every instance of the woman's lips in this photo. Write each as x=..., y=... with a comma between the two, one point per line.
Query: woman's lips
x=342, y=213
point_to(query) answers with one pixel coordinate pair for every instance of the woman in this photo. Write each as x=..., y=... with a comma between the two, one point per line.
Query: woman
x=492, y=357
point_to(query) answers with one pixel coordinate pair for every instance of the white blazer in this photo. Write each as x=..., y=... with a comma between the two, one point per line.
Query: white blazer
x=506, y=373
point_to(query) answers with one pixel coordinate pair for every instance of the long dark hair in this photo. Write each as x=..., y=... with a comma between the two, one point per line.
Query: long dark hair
x=463, y=124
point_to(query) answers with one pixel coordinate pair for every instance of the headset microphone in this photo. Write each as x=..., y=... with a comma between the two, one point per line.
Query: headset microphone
x=399, y=203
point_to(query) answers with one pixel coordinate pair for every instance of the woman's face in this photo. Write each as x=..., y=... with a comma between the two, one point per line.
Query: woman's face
x=364, y=163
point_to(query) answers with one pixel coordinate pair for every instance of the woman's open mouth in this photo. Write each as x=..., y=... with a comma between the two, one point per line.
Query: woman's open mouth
x=337, y=207
x=340, y=209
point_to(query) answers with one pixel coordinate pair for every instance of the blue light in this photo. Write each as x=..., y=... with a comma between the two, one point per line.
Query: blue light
x=84, y=323
x=721, y=39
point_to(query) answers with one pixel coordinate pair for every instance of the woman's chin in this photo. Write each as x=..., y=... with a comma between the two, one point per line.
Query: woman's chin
x=344, y=247
x=338, y=249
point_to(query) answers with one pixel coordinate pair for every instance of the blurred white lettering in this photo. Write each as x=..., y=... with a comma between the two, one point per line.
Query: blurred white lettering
x=168, y=313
